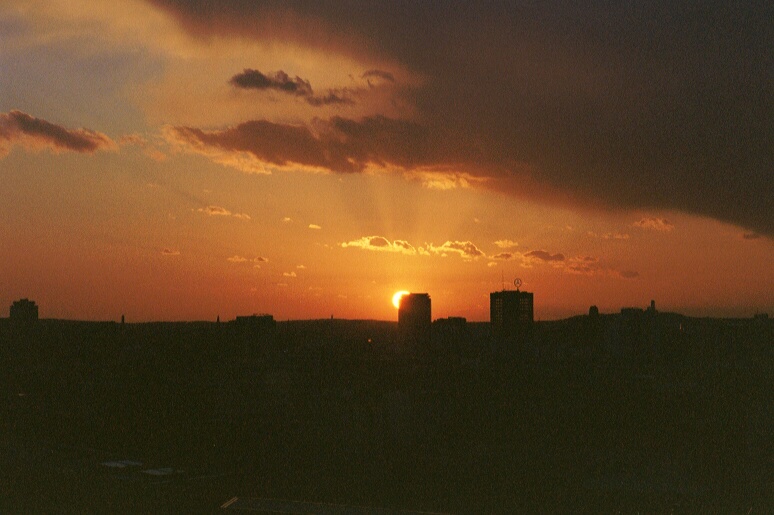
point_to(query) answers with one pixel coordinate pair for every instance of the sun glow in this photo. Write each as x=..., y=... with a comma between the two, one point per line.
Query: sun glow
x=396, y=298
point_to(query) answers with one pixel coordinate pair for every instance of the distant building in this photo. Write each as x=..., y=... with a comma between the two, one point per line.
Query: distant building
x=255, y=325
x=23, y=312
x=414, y=319
x=511, y=313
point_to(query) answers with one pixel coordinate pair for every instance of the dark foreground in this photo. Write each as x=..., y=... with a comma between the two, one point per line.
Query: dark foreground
x=182, y=418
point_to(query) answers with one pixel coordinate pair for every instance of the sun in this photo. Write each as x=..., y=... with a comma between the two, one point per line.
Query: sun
x=396, y=298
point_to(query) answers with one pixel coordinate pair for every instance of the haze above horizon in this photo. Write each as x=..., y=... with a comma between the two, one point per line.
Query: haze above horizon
x=169, y=160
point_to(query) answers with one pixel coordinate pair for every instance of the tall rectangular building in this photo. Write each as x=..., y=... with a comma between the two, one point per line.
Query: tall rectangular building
x=510, y=313
x=414, y=318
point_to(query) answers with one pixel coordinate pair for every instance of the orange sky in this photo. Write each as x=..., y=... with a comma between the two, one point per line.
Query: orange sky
x=166, y=167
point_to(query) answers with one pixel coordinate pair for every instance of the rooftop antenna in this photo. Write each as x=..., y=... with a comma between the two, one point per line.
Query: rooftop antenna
x=517, y=283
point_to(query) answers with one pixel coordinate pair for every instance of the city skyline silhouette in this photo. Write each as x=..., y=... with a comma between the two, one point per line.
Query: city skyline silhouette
x=444, y=257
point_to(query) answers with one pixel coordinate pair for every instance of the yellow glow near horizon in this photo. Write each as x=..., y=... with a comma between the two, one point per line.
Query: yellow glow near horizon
x=396, y=298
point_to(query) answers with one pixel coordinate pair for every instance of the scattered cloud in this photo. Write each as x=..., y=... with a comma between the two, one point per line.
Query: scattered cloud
x=289, y=274
x=282, y=82
x=442, y=180
x=506, y=244
x=18, y=128
x=314, y=226
x=222, y=211
x=170, y=252
x=492, y=264
x=382, y=244
x=504, y=256
x=655, y=224
x=215, y=211
x=608, y=235
x=542, y=255
x=465, y=249
x=379, y=75
x=237, y=259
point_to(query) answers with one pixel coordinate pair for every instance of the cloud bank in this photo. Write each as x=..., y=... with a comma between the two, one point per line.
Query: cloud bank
x=656, y=106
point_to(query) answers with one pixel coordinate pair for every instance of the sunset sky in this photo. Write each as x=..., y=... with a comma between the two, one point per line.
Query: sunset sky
x=182, y=160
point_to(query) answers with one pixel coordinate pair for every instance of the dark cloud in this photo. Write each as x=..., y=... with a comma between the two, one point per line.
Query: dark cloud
x=662, y=105
x=629, y=274
x=378, y=74
x=339, y=144
x=751, y=236
x=17, y=127
x=333, y=97
x=281, y=81
x=544, y=256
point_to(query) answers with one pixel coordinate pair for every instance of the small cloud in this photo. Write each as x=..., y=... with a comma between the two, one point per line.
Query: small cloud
x=261, y=259
x=751, y=236
x=542, y=255
x=442, y=180
x=18, y=128
x=506, y=244
x=314, y=226
x=215, y=211
x=465, y=249
x=301, y=267
x=237, y=259
x=287, y=219
x=492, y=264
x=608, y=235
x=378, y=74
x=655, y=224
x=222, y=211
x=278, y=81
x=629, y=274
x=282, y=82
x=380, y=243
x=170, y=252
x=503, y=255
x=289, y=274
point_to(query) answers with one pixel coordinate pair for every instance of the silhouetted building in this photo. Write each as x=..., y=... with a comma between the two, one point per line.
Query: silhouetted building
x=24, y=312
x=510, y=313
x=414, y=319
